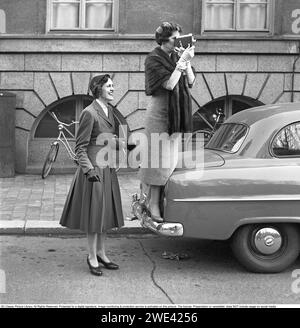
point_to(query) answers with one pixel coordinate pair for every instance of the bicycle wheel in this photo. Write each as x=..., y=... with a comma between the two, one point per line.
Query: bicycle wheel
x=50, y=159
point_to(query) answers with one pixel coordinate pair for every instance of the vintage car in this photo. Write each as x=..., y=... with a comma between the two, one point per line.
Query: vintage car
x=248, y=191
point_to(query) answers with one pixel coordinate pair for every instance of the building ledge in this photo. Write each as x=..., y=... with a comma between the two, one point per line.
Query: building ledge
x=141, y=44
x=117, y=36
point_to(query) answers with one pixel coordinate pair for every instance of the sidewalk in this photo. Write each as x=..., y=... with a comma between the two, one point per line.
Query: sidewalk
x=29, y=204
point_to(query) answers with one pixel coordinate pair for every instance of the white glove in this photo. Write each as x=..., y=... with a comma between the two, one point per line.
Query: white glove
x=188, y=54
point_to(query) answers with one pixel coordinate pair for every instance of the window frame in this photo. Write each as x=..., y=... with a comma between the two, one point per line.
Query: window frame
x=274, y=137
x=228, y=103
x=82, y=11
x=236, y=31
x=240, y=146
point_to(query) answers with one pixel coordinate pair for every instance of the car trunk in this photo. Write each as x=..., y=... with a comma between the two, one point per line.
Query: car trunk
x=185, y=182
x=208, y=158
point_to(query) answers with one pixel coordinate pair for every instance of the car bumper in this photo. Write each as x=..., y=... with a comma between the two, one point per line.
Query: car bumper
x=164, y=228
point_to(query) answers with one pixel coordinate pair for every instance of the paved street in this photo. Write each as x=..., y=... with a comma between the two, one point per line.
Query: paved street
x=53, y=270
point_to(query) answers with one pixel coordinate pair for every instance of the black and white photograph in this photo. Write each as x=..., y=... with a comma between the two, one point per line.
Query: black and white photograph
x=150, y=156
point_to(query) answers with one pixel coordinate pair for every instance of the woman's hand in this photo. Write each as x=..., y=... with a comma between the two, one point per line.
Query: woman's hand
x=188, y=54
x=93, y=176
x=179, y=51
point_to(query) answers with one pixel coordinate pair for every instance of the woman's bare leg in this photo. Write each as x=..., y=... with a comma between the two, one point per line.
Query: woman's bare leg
x=101, y=247
x=92, y=248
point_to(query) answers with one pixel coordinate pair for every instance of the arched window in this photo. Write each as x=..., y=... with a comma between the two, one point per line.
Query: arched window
x=45, y=129
x=67, y=109
x=204, y=118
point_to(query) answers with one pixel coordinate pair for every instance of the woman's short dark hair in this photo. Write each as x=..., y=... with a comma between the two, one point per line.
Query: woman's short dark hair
x=165, y=30
x=97, y=83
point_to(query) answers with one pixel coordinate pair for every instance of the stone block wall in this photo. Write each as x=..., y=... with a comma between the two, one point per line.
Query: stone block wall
x=40, y=78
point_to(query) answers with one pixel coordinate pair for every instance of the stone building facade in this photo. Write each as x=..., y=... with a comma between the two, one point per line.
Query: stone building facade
x=50, y=69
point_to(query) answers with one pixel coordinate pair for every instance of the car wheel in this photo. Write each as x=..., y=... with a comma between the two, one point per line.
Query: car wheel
x=266, y=248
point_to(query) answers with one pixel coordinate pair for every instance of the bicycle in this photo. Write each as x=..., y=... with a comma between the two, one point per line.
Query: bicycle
x=207, y=134
x=52, y=154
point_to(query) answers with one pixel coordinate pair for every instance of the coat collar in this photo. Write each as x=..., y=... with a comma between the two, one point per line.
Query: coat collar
x=169, y=59
x=101, y=112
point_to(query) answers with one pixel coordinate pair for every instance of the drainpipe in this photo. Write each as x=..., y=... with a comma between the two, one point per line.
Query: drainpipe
x=293, y=74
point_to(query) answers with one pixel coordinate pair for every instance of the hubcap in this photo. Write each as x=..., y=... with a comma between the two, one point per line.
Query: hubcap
x=268, y=241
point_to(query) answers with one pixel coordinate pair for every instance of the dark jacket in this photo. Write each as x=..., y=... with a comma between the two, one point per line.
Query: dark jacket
x=93, y=122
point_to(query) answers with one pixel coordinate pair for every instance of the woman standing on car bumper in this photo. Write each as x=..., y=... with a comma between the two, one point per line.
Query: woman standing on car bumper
x=168, y=77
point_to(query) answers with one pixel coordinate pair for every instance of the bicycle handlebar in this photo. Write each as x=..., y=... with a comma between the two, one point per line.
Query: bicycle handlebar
x=59, y=122
x=219, y=111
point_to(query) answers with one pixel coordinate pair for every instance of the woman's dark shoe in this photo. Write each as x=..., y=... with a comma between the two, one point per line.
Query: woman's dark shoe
x=94, y=270
x=108, y=265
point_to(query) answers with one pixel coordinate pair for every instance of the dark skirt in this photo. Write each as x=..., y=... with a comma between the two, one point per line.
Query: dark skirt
x=93, y=207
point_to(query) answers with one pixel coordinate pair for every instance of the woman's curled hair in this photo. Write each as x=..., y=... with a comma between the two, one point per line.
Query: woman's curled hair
x=165, y=30
x=97, y=83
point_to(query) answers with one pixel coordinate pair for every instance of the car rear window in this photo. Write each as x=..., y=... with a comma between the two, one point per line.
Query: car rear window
x=229, y=137
x=287, y=141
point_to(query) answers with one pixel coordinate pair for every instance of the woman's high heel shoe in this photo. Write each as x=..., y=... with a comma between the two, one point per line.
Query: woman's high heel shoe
x=94, y=270
x=108, y=265
x=157, y=218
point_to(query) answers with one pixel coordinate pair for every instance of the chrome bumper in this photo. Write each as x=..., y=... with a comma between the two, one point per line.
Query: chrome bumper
x=139, y=210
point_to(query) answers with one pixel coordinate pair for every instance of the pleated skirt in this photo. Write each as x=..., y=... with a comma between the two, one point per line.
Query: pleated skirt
x=93, y=207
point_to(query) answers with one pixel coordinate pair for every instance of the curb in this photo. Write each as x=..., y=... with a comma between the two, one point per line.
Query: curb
x=37, y=227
